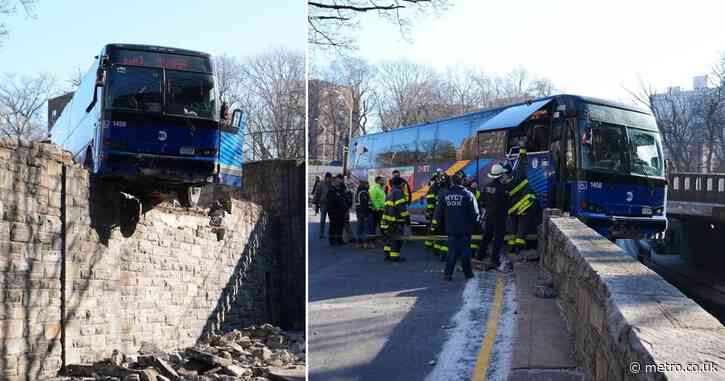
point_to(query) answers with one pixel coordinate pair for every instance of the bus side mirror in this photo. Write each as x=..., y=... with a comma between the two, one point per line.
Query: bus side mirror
x=237, y=118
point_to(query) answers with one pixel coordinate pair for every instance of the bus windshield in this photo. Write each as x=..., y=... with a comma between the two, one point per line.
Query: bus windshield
x=134, y=88
x=613, y=148
x=189, y=94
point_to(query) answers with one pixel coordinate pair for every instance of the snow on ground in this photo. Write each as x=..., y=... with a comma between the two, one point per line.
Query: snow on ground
x=458, y=358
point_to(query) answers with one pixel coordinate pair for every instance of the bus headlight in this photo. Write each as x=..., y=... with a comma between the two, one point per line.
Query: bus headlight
x=659, y=211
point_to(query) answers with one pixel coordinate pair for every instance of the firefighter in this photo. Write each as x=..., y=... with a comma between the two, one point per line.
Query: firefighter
x=395, y=218
x=407, y=192
x=494, y=202
x=436, y=226
x=430, y=203
x=523, y=207
x=459, y=209
x=473, y=188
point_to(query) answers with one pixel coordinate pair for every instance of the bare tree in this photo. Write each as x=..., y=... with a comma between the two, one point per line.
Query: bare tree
x=21, y=103
x=9, y=7
x=675, y=118
x=331, y=21
x=273, y=99
x=230, y=78
x=74, y=79
x=357, y=75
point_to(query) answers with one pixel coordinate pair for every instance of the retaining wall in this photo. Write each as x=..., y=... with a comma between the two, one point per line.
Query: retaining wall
x=74, y=287
x=627, y=322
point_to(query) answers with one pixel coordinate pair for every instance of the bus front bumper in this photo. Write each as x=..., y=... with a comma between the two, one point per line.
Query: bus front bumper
x=164, y=168
x=625, y=227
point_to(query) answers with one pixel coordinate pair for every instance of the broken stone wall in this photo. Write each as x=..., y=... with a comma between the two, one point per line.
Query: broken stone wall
x=76, y=286
x=621, y=312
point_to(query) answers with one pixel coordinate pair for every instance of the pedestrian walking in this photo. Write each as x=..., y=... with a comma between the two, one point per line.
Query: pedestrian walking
x=494, y=202
x=349, y=196
x=395, y=218
x=336, y=208
x=459, y=212
x=321, y=199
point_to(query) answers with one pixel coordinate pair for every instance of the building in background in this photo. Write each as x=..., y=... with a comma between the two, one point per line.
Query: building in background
x=329, y=120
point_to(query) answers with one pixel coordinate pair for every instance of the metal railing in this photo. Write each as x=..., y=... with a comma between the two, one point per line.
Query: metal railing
x=697, y=187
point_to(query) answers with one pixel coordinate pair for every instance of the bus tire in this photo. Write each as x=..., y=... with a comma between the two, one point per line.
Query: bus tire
x=188, y=196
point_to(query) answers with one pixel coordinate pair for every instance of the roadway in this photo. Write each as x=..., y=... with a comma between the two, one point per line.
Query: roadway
x=375, y=320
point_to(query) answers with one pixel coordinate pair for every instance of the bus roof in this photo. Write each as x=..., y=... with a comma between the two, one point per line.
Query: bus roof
x=156, y=48
x=498, y=109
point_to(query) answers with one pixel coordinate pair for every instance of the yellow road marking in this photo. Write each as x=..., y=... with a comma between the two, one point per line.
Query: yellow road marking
x=484, y=357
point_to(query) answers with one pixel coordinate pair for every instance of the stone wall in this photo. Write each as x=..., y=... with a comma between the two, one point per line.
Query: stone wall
x=621, y=313
x=75, y=286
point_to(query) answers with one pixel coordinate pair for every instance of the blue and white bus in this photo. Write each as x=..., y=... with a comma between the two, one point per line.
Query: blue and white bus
x=152, y=115
x=599, y=160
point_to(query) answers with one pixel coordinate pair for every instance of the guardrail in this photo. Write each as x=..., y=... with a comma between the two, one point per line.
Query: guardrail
x=697, y=187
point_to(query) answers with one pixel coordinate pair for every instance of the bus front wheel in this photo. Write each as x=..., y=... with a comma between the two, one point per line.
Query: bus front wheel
x=189, y=196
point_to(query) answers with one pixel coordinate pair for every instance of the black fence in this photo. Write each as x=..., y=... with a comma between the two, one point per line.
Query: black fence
x=697, y=187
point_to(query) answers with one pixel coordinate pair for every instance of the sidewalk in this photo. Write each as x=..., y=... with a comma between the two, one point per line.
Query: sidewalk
x=542, y=349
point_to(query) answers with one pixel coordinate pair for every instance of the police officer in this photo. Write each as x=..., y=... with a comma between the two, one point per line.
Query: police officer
x=523, y=207
x=494, y=202
x=394, y=220
x=458, y=208
x=437, y=226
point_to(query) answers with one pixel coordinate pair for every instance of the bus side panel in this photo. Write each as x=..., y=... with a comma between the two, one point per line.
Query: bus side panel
x=231, y=157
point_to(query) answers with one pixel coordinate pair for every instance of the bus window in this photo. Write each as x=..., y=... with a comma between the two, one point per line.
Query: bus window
x=570, y=151
x=516, y=138
x=450, y=140
x=537, y=138
x=403, y=146
x=426, y=144
x=491, y=143
x=383, y=151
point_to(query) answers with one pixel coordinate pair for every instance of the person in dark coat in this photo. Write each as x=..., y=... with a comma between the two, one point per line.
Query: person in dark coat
x=336, y=208
x=459, y=211
x=494, y=201
x=364, y=212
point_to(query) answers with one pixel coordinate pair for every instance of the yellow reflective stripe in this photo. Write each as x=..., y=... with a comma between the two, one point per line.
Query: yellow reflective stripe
x=430, y=206
x=386, y=248
x=404, y=214
x=443, y=248
x=522, y=203
x=519, y=241
x=519, y=187
x=430, y=196
x=394, y=253
x=434, y=222
x=389, y=203
x=428, y=243
x=401, y=201
x=388, y=218
x=474, y=246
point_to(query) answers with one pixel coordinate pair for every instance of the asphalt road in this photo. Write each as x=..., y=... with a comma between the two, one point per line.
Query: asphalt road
x=375, y=320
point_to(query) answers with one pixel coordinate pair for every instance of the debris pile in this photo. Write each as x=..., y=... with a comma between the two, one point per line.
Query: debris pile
x=256, y=353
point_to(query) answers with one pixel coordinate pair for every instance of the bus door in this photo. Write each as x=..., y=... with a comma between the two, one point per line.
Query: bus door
x=231, y=150
x=564, y=154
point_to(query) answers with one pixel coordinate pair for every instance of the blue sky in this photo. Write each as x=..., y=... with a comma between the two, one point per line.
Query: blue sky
x=67, y=34
x=588, y=47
